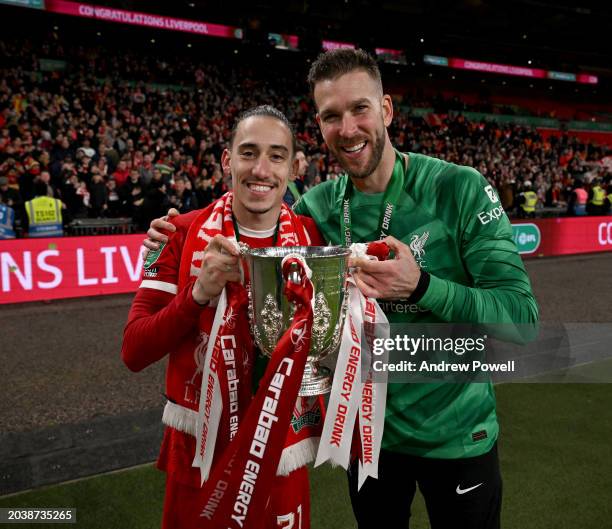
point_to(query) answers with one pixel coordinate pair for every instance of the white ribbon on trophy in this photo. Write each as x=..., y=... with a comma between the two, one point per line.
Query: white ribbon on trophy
x=353, y=393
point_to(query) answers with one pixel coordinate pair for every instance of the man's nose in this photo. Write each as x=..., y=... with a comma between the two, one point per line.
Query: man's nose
x=262, y=168
x=348, y=126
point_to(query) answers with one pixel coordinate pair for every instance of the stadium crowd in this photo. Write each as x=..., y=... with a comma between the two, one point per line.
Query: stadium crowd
x=108, y=139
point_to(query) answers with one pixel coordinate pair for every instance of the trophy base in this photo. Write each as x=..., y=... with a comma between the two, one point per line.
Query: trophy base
x=317, y=380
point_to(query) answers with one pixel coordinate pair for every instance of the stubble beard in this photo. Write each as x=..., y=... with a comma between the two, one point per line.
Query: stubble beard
x=377, y=152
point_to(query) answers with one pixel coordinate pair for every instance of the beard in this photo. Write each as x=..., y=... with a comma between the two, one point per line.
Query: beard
x=377, y=151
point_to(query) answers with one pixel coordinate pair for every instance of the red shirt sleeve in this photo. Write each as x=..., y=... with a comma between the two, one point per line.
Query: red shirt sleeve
x=151, y=331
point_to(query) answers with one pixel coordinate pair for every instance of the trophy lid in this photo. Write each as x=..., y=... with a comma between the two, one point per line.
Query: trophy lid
x=309, y=252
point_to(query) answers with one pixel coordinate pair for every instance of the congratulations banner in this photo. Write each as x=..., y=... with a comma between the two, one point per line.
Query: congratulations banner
x=508, y=69
x=136, y=18
x=69, y=267
x=563, y=236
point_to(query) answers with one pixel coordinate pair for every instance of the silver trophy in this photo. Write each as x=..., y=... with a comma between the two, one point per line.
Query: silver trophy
x=271, y=314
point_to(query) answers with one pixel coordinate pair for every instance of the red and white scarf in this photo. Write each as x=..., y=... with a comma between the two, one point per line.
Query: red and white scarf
x=225, y=400
x=356, y=401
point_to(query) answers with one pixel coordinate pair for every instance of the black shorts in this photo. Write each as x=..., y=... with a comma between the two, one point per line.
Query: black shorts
x=459, y=493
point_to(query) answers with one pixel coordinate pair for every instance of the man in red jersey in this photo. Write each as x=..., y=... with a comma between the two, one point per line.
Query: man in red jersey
x=173, y=314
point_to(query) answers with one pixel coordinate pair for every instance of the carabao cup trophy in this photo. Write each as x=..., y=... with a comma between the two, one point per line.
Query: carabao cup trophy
x=271, y=314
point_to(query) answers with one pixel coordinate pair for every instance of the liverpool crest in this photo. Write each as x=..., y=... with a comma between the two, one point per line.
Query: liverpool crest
x=417, y=245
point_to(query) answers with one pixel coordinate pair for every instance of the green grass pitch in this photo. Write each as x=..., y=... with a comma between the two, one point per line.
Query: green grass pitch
x=555, y=450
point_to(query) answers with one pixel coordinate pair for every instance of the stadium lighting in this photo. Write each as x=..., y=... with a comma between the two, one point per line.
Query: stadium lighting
x=55, y=28
x=524, y=36
x=152, y=41
x=422, y=40
x=189, y=45
x=529, y=61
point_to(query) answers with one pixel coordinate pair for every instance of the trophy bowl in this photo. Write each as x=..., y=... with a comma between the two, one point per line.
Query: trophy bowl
x=271, y=314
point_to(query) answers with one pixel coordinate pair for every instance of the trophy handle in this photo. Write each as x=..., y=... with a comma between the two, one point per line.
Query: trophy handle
x=243, y=248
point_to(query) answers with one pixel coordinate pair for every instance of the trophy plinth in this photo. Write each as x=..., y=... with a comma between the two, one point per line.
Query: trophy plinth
x=271, y=314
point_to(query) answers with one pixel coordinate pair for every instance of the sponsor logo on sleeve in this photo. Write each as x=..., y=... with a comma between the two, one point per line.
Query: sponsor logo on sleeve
x=489, y=216
x=492, y=194
x=153, y=256
x=150, y=272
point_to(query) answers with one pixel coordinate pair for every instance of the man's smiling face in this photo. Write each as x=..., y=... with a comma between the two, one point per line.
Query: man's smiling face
x=353, y=114
x=260, y=162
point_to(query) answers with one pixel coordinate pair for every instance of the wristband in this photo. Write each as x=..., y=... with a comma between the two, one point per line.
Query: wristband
x=420, y=289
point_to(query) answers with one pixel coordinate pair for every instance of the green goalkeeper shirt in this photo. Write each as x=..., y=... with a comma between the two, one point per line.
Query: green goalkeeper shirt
x=456, y=227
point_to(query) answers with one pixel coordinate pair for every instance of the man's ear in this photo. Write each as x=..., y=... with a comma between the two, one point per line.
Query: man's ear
x=387, y=109
x=295, y=166
x=225, y=162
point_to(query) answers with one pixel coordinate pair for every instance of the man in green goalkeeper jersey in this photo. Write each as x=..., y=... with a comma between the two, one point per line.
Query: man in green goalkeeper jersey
x=455, y=262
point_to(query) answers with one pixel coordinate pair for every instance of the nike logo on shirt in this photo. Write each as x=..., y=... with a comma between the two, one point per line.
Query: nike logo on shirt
x=463, y=491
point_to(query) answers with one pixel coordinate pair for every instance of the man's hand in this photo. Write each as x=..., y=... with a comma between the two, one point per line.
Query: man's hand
x=154, y=236
x=219, y=266
x=392, y=279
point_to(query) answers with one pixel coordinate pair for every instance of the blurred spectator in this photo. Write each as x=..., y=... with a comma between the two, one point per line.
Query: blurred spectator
x=114, y=201
x=204, y=191
x=576, y=204
x=45, y=178
x=155, y=203
x=146, y=169
x=132, y=195
x=44, y=214
x=98, y=196
x=182, y=197
x=7, y=221
x=527, y=201
x=295, y=185
x=507, y=192
x=121, y=174
x=597, y=197
x=10, y=196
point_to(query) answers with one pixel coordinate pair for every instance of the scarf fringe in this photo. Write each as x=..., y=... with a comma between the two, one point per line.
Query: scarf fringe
x=293, y=457
x=180, y=418
x=298, y=455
